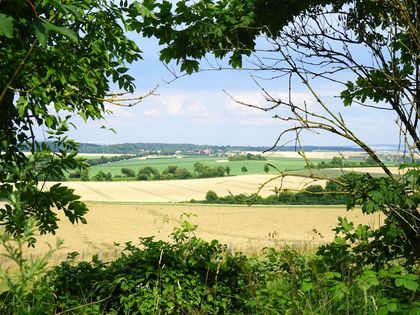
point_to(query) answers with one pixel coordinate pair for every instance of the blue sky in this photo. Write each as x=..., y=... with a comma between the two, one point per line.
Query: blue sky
x=195, y=109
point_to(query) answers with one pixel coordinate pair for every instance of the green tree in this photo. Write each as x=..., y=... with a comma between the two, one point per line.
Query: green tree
x=57, y=61
x=147, y=173
x=244, y=169
x=182, y=173
x=84, y=174
x=102, y=176
x=199, y=168
x=314, y=189
x=227, y=169
x=266, y=168
x=128, y=172
x=305, y=35
x=211, y=196
x=337, y=161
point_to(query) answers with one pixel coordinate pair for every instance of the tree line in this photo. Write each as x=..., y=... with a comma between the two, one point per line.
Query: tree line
x=341, y=162
x=311, y=195
x=246, y=157
x=176, y=172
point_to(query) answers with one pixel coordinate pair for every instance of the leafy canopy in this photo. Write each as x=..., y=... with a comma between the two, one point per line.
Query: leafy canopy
x=58, y=60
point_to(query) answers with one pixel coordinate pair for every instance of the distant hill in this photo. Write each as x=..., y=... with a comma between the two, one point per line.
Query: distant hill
x=186, y=148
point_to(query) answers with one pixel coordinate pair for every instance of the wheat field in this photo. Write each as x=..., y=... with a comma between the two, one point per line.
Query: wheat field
x=243, y=228
x=183, y=190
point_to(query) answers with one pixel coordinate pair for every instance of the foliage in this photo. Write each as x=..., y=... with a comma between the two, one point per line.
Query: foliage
x=341, y=162
x=147, y=173
x=311, y=195
x=58, y=60
x=205, y=171
x=182, y=277
x=300, y=284
x=176, y=172
x=101, y=176
x=104, y=159
x=191, y=276
x=25, y=292
x=394, y=239
x=127, y=172
x=246, y=157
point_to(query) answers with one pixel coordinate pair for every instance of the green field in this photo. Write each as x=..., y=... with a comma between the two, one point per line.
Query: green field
x=253, y=166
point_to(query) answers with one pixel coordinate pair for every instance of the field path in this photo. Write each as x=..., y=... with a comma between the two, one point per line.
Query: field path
x=180, y=190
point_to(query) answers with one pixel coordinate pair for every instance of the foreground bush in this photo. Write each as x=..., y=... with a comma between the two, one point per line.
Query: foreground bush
x=191, y=276
x=185, y=276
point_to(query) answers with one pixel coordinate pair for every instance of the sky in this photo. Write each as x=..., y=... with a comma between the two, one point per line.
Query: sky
x=199, y=109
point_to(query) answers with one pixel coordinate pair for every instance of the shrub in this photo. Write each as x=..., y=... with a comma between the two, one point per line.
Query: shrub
x=25, y=290
x=102, y=176
x=185, y=276
x=147, y=173
x=128, y=172
x=211, y=197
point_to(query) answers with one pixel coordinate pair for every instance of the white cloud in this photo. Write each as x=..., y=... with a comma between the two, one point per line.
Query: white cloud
x=151, y=113
x=178, y=103
x=258, y=99
x=197, y=108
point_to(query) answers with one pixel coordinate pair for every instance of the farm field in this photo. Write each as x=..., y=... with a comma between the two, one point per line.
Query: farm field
x=182, y=190
x=187, y=189
x=243, y=228
x=253, y=166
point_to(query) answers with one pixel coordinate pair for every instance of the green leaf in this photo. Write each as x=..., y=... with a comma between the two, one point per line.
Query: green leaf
x=6, y=25
x=190, y=66
x=122, y=70
x=43, y=29
x=339, y=291
x=367, y=280
x=347, y=226
x=408, y=281
x=307, y=285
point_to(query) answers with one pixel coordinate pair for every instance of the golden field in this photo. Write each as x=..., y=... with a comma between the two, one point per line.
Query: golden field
x=243, y=228
x=124, y=211
x=182, y=190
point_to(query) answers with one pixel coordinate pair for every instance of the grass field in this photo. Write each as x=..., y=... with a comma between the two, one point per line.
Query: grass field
x=254, y=167
x=243, y=228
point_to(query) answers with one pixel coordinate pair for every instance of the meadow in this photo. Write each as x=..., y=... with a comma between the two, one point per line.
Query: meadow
x=253, y=166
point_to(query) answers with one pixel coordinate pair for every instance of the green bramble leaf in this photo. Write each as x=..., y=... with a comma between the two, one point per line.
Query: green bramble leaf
x=408, y=281
x=367, y=280
x=6, y=25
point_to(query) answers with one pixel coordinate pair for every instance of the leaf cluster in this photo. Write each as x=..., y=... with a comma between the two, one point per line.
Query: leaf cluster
x=58, y=60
